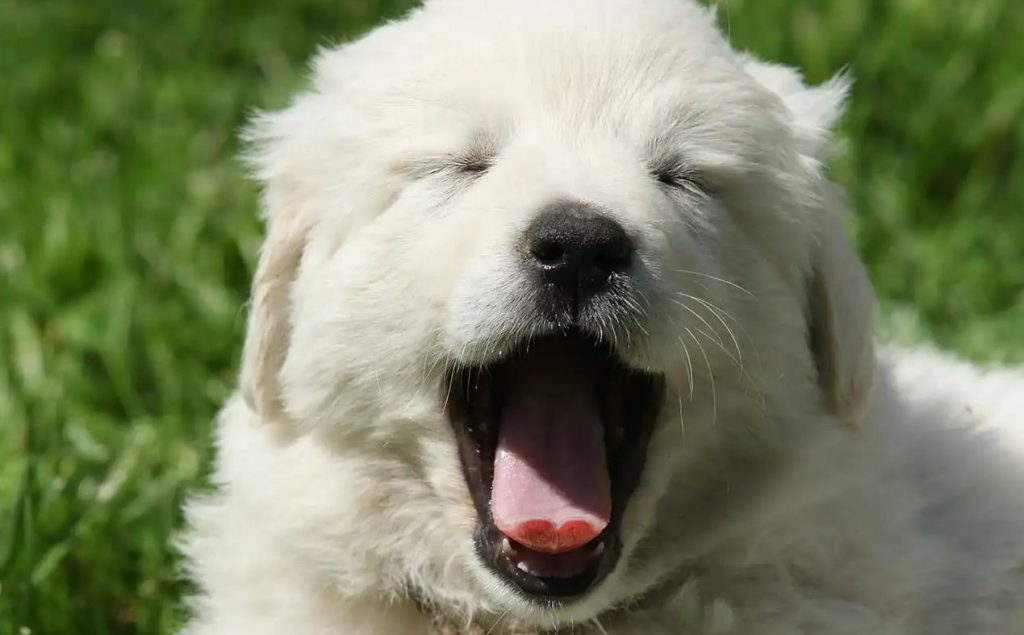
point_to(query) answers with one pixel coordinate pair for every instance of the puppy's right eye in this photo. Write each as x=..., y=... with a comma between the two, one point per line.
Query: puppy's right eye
x=478, y=156
x=458, y=166
x=449, y=166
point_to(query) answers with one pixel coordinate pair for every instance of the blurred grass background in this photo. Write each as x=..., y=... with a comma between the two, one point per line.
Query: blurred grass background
x=128, y=234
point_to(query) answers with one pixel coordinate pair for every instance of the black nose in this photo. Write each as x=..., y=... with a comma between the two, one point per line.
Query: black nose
x=577, y=250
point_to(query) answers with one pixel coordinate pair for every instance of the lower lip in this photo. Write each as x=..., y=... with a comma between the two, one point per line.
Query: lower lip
x=507, y=561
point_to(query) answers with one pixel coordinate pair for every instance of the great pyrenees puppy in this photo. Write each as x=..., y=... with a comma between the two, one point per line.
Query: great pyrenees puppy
x=556, y=330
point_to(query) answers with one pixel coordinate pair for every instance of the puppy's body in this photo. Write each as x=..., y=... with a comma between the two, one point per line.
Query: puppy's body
x=772, y=491
x=910, y=524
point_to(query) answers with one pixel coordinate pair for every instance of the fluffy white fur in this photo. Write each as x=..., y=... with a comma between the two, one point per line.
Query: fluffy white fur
x=796, y=482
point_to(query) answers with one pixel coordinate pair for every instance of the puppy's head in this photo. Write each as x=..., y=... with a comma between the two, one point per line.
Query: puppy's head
x=532, y=262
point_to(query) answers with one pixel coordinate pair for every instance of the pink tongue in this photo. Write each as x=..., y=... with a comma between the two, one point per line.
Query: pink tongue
x=551, y=491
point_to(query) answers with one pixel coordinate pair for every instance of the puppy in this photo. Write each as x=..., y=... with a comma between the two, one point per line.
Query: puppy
x=556, y=329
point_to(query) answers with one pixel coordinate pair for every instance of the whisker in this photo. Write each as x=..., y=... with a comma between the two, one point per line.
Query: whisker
x=448, y=393
x=636, y=320
x=682, y=421
x=599, y=626
x=716, y=311
x=689, y=365
x=699, y=317
x=717, y=279
x=711, y=377
x=724, y=350
x=686, y=351
x=498, y=621
x=752, y=344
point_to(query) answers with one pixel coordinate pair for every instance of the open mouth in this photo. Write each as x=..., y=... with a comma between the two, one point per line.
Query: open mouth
x=553, y=439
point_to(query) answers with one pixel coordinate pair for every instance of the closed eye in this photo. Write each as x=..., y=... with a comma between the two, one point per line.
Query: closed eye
x=478, y=155
x=473, y=163
x=469, y=163
x=675, y=173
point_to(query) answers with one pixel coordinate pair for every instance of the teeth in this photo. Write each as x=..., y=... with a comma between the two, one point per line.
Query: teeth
x=506, y=548
x=534, y=565
x=544, y=573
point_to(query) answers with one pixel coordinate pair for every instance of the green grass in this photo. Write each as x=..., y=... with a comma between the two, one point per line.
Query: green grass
x=127, y=237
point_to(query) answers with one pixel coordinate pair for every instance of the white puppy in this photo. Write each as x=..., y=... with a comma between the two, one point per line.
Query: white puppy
x=556, y=329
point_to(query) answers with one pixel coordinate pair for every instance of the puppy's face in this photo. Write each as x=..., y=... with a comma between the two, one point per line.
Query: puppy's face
x=535, y=263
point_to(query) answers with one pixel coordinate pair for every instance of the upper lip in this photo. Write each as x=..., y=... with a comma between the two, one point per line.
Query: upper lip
x=629, y=403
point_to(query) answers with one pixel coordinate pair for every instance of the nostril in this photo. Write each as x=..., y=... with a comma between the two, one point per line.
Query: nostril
x=615, y=256
x=548, y=253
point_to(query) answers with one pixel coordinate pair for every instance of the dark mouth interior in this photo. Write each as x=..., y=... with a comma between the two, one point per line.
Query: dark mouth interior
x=544, y=374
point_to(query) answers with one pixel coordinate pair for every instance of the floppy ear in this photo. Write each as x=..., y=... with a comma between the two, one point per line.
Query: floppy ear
x=840, y=302
x=269, y=326
x=840, y=321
